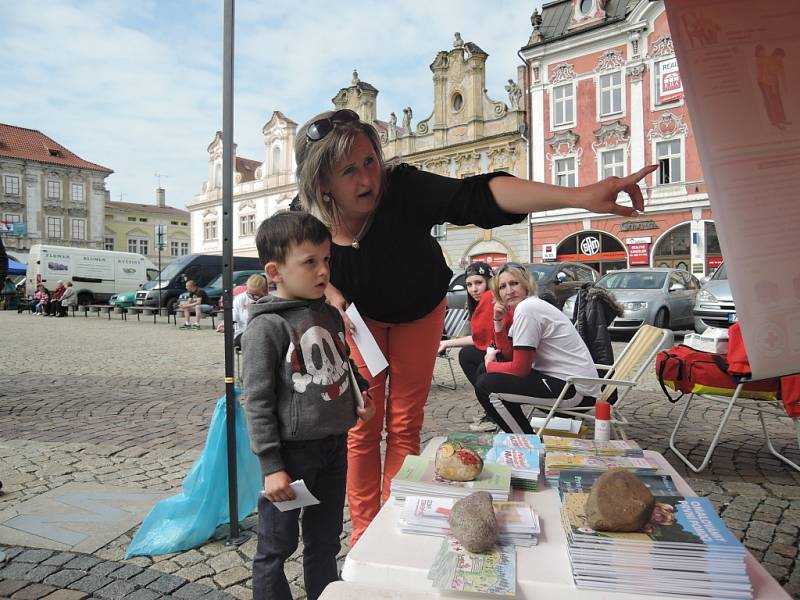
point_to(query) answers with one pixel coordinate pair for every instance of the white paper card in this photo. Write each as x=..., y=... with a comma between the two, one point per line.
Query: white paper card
x=367, y=346
x=302, y=497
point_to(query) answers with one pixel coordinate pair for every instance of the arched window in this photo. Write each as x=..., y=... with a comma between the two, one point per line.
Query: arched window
x=276, y=160
x=674, y=248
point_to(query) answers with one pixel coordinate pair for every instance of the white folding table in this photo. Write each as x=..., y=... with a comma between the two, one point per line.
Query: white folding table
x=388, y=562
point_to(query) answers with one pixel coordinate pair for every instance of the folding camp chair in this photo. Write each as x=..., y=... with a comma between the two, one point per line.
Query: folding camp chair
x=621, y=377
x=738, y=400
x=454, y=321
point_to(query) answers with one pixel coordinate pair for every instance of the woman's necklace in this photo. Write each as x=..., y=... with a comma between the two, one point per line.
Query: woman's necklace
x=357, y=237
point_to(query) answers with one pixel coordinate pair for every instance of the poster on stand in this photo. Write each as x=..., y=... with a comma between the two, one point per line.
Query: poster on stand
x=739, y=65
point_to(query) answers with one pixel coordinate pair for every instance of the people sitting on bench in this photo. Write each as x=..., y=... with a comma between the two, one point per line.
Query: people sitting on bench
x=197, y=303
x=68, y=298
x=256, y=288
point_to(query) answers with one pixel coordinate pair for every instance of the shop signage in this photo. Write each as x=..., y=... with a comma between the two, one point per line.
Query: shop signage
x=548, y=251
x=646, y=239
x=590, y=245
x=670, y=86
x=638, y=255
x=713, y=262
x=638, y=225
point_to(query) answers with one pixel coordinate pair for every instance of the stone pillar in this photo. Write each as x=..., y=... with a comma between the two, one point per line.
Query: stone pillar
x=536, y=133
x=635, y=76
x=33, y=202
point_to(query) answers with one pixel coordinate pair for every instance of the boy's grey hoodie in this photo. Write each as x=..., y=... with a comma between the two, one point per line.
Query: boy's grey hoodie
x=295, y=370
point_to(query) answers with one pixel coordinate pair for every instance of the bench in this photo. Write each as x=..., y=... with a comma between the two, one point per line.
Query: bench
x=213, y=312
x=147, y=311
x=101, y=309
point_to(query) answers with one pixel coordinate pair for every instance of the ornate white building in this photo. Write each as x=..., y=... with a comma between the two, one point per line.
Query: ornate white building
x=465, y=133
x=260, y=188
x=48, y=194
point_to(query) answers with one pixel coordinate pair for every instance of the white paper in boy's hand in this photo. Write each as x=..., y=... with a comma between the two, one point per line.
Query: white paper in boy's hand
x=302, y=497
x=367, y=346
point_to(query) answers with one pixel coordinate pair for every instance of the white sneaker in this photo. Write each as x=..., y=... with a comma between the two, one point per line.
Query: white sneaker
x=186, y=325
x=485, y=424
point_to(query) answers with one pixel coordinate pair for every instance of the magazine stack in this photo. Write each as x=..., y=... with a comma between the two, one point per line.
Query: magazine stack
x=557, y=462
x=517, y=522
x=685, y=551
x=610, y=448
x=525, y=465
x=417, y=477
x=580, y=482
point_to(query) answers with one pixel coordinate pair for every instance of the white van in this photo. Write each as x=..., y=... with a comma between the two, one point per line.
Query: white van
x=96, y=275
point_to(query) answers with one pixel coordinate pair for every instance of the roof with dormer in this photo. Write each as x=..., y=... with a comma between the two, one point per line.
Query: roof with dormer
x=147, y=208
x=556, y=17
x=247, y=167
x=30, y=144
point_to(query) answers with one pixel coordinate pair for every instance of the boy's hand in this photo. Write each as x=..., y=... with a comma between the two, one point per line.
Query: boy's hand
x=366, y=413
x=277, y=488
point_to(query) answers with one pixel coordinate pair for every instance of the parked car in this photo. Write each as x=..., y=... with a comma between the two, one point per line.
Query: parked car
x=654, y=296
x=714, y=306
x=555, y=281
x=200, y=268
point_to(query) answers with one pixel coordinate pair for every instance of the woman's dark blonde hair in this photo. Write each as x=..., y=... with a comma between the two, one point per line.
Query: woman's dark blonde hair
x=521, y=274
x=316, y=160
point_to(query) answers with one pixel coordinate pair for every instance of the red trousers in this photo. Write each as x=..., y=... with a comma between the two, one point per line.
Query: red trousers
x=410, y=349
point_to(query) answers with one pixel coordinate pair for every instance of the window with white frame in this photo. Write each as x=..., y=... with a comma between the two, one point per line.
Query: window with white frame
x=11, y=218
x=610, y=86
x=54, y=225
x=439, y=231
x=108, y=243
x=184, y=248
x=564, y=172
x=667, y=81
x=53, y=189
x=76, y=192
x=139, y=245
x=670, y=161
x=210, y=230
x=247, y=224
x=563, y=104
x=612, y=163
x=174, y=249
x=77, y=229
x=11, y=185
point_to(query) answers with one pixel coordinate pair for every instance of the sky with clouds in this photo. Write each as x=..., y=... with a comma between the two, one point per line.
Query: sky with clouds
x=136, y=85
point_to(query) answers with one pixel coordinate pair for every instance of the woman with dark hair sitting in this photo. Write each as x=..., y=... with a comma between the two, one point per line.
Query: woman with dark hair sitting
x=480, y=305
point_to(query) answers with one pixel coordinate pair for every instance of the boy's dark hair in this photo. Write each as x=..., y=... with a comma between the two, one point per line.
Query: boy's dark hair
x=284, y=228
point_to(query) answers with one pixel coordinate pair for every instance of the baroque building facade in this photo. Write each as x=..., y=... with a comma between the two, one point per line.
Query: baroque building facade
x=465, y=133
x=134, y=227
x=606, y=99
x=48, y=194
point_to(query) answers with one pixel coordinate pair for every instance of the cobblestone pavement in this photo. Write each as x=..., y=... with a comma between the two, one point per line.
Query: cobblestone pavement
x=128, y=403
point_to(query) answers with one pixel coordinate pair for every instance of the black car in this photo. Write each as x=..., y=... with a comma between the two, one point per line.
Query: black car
x=556, y=281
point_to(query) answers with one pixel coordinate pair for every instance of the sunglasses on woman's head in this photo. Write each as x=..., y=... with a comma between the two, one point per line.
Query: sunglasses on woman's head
x=322, y=127
x=508, y=265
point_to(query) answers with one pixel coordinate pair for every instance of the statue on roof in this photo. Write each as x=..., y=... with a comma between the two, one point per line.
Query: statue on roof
x=355, y=80
x=458, y=42
x=514, y=95
x=407, y=114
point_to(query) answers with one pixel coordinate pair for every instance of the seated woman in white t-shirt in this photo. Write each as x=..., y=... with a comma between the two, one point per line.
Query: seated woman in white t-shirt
x=256, y=288
x=545, y=350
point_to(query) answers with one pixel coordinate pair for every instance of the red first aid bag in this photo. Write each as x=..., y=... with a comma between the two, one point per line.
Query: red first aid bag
x=739, y=365
x=691, y=371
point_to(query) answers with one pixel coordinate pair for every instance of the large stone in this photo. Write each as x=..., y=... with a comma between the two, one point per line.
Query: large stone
x=456, y=463
x=619, y=501
x=473, y=522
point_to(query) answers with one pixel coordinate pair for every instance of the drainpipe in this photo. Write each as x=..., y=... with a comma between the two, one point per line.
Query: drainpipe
x=527, y=140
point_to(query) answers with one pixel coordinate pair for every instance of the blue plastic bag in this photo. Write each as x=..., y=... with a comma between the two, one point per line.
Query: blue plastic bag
x=187, y=520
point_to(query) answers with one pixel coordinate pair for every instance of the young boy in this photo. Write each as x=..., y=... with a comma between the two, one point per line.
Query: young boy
x=300, y=403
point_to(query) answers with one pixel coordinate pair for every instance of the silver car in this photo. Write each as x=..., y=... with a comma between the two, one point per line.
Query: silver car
x=657, y=296
x=714, y=306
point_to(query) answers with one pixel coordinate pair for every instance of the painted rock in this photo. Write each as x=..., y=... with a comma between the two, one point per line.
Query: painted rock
x=473, y=522
x=619, y=501
x=457, y=463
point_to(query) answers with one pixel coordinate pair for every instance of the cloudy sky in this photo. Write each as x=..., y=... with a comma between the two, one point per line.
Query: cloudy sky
x=136, y=85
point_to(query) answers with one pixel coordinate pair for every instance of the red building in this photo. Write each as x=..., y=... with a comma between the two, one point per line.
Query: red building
x=605, y=98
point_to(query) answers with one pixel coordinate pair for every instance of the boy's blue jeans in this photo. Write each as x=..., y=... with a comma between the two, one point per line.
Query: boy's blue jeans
x=322, y=464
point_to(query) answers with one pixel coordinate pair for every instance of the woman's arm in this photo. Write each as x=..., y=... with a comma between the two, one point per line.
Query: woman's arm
x=520, y=366
x=515, y=195
x=336, y=299
x=455, y=343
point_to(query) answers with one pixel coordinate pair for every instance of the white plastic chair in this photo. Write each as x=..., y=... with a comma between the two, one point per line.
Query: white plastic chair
x=454, y=321
x=623, y=376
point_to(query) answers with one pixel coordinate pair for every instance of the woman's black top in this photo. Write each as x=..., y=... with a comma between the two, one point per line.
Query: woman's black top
x=398, y=274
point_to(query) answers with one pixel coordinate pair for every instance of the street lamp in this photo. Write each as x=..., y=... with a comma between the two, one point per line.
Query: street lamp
x=160, y=232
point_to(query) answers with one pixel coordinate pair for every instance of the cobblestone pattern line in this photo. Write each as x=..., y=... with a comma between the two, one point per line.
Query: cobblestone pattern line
x=127, y=403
